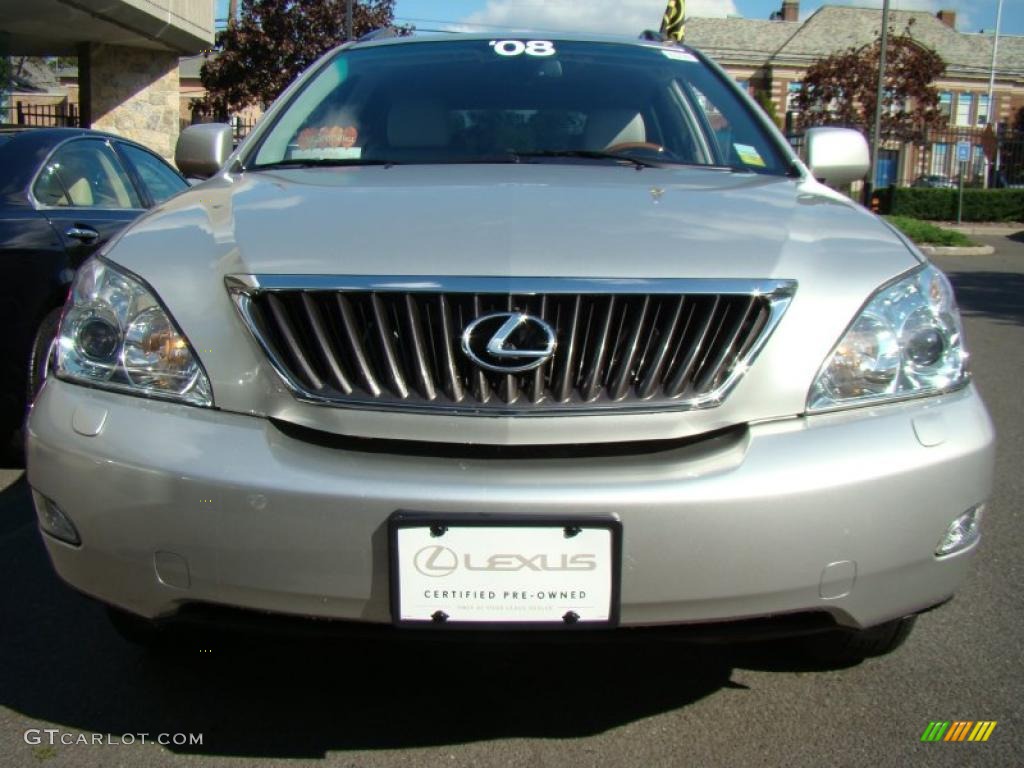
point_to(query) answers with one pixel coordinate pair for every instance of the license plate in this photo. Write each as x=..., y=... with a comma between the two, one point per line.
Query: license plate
x=507, y=572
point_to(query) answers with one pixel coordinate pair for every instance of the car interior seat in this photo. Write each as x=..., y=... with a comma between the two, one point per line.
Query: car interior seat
x=608, y=127
x=80, y=192
x=416, y=125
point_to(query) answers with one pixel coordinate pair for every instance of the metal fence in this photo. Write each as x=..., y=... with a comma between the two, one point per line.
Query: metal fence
x=1010, y=167
x=61, y=115
x=935, y=154
x=66, y=115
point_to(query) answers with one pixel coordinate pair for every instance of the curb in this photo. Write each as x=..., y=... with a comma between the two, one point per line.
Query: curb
x=994, y=231
x=951, y=250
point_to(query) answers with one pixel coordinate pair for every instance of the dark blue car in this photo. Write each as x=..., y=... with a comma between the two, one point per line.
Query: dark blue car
x=64, y=192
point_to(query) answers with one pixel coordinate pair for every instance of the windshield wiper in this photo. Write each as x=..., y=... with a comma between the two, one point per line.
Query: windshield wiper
x=637, y=162
x=318, y=162
x=590, y=154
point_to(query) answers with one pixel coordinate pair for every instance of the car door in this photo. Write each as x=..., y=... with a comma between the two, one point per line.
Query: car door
x=87, y=195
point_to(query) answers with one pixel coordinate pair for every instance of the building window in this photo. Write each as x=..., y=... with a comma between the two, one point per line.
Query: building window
x=940, y=155
x=977, y=161
x=946, y=105
x=982, y=110
x=963, y=108
x=792, y=91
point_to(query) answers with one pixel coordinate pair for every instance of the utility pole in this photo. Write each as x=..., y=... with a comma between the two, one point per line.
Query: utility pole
x=232, y=12
x=348, y=21
x=869, y=187
x=990, y=117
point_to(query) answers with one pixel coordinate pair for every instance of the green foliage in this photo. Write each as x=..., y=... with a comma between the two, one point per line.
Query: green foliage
x=923, y=232
x=274, y=41
x=842, y=89
x=941, y=204
x=764, y=99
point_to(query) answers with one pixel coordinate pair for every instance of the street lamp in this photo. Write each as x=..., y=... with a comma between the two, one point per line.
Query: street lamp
x=989, y=118
x=876, y=131
x=995, y=50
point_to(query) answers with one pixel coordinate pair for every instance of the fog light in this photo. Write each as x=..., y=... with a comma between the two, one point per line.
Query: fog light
x=53, y=520
x=962, y=532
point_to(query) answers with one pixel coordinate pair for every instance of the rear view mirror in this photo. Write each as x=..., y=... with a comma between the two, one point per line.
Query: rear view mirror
x=203, y=149
x=837, y=156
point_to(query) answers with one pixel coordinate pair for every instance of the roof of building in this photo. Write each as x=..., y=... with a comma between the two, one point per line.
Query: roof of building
x=832, y=28
x=740, y=37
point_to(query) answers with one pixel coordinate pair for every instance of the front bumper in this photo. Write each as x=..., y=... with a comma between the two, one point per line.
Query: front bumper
x=839, y=513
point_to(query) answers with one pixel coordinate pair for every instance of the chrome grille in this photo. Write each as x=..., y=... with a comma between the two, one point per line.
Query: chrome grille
x=621, y=344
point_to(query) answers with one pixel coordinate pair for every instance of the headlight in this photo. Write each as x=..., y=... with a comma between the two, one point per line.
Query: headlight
x=115, y=334
x=906, y=341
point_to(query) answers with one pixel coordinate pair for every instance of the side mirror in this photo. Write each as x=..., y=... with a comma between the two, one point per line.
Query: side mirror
x=837, y=155
x=203, y=149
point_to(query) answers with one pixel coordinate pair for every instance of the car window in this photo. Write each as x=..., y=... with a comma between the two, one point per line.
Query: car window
x=492, y=101
x=161, y=181
x=48, y=188
x=89, y=175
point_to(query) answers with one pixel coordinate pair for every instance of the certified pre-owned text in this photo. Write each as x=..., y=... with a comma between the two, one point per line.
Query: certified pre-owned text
x=484, y=594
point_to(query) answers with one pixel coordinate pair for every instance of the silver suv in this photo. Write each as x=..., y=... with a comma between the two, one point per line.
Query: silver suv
x=548, y=334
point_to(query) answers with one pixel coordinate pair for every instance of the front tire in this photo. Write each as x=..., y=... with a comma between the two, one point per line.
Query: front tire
x=42, y=346
x=137, y=630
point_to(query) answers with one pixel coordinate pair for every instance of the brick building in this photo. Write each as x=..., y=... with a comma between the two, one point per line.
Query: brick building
x=771, y=56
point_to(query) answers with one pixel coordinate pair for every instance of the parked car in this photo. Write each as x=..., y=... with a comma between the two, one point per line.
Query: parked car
x=515, y=334
x=935, y=181
x=64, y=193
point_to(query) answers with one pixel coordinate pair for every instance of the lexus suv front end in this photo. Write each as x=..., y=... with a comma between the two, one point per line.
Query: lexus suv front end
x=514, y=334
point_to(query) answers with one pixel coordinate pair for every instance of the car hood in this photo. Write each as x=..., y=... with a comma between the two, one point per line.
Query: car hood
x=544, y=219
x=530, y=219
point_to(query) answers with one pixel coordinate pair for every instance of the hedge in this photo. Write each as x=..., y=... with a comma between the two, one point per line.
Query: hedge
x=940, y=204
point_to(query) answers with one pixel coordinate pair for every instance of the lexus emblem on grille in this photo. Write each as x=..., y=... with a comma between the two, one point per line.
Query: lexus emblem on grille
x=508, y=342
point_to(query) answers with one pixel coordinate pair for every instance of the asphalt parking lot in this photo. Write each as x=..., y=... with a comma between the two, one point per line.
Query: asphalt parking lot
x=362, y=704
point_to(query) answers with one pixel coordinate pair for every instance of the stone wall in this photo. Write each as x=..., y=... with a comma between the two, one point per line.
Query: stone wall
x=134, y=93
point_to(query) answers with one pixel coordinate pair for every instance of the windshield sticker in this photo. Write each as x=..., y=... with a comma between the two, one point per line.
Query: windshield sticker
x=749, y=155
x=677, y=55
x=327, y=153
x=518, y=47
x=328, y=137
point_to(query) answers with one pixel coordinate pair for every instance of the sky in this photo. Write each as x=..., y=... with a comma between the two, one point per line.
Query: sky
x=617, y=16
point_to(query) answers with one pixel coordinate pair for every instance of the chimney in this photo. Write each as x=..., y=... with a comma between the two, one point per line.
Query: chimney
x=948, y=18
x=790, y=10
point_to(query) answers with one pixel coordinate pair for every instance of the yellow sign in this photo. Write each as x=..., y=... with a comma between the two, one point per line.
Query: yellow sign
x=672, y=24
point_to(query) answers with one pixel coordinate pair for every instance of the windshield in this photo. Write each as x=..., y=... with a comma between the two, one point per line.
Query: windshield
x=517, y=100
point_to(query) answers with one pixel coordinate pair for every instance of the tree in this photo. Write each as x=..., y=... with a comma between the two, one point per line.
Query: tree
x=764, y=99
x=273, y=41
x=5, y=79
x=842, y=89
